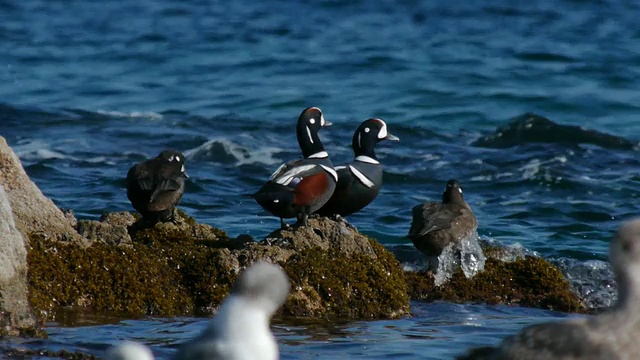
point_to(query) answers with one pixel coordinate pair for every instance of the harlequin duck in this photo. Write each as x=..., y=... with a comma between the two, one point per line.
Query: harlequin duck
x=360, y=180
x=300, y=187
x=155, y=186
x=435, y=225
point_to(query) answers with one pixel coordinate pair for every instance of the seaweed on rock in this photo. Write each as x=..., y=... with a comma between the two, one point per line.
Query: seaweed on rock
x=529, y=281
x=186, y=268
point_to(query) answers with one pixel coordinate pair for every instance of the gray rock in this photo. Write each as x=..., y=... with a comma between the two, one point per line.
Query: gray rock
x=324, y=233
x=32, y=211
x=15, y=312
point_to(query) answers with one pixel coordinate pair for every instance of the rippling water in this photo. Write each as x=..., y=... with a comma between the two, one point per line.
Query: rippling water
x=89, y=89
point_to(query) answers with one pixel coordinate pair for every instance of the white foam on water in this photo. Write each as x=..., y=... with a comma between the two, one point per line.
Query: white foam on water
x=37, y=150
x=225, y=150
x=134, y=114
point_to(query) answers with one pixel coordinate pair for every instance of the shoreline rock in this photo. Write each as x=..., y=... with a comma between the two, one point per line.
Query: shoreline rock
x=526, y=281
x=117, y=265
x=32, y=211
x=15, y=313
x=187, y=268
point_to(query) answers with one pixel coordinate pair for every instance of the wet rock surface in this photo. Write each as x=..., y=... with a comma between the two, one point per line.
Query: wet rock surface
x=525, y=280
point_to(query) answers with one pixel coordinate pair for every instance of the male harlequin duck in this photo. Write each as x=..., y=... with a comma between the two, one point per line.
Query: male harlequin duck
x=155, y=186
x=435, y=225
x=300, y=187
x=359, y=181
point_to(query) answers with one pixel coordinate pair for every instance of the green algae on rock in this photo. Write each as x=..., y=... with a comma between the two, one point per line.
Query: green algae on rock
x=355, y=286
x=186, y=267
x=529, y=281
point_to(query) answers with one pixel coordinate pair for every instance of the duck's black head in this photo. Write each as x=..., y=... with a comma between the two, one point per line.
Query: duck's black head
x=368, y=134
x=175, y=160
x=453, y=193
x=310, y=122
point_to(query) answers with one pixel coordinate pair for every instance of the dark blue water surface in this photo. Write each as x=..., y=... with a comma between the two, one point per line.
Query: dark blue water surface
x=89, y=88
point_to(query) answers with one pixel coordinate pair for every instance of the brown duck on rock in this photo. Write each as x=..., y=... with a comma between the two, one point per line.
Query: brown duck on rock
x=438, y=224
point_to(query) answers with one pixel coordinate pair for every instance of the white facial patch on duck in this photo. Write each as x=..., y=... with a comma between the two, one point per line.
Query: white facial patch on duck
x=367, y=129
x=383, y=131
x=460, y=189
x=309, y=134
x=330, y=171
x=322, y=122
x=287, y=177
x=182, y=169
x=367, y=159
x=177, y=158
x=312, y=121
x=170, y=158
x=360, y=176
x=319, y=155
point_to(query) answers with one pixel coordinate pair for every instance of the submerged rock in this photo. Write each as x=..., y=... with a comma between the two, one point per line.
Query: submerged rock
x=533, y=128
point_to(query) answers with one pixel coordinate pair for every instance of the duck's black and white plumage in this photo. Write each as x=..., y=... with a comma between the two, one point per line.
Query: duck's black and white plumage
x=438, y=224
x=360, y=180
x=155, y=186
x=300, y=187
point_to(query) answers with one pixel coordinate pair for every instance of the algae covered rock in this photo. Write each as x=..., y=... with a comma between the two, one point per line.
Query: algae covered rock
x=112, y=229
x=527, y=281
x=186, y=268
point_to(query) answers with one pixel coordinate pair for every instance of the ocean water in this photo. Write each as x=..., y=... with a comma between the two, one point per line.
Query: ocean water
x=88, y=89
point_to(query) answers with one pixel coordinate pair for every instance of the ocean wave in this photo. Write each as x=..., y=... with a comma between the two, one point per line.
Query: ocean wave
x=133, y=114
x=228, y=152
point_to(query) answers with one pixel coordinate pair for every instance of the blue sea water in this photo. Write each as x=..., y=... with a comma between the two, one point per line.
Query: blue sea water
x=89, y=88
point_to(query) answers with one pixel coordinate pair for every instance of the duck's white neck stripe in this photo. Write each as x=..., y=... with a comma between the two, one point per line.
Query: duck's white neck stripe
x=318, y=155
x=330, y=171
x=363, y=179
x=366, y=159
x=309, y=133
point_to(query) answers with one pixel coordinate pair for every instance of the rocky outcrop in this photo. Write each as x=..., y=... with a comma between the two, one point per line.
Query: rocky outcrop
x=15, y=312
x=521, y=280
x=32, y=211
x=185, y=267
x=118, y=264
